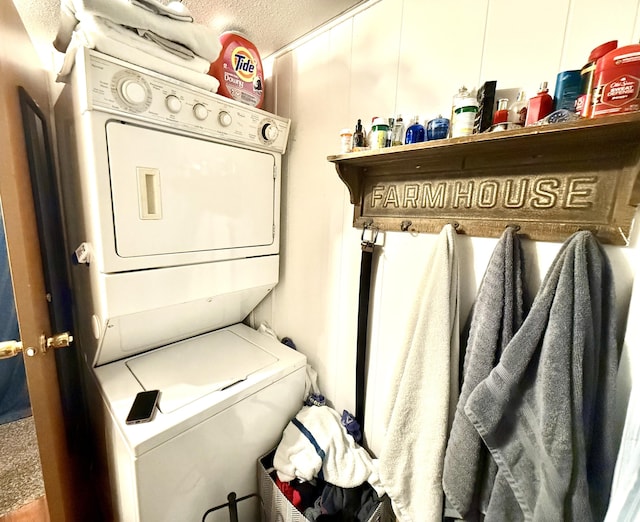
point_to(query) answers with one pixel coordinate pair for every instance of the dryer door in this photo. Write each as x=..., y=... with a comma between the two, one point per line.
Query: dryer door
x=173, y=194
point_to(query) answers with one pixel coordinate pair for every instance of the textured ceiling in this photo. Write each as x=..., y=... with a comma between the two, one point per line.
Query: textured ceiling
x=268, y=24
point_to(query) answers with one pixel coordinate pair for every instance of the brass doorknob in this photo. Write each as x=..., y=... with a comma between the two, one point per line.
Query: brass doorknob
x=10, y=349
x=61, y=340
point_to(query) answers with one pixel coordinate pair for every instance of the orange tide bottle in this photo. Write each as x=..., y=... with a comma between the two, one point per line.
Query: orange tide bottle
x=239, y=70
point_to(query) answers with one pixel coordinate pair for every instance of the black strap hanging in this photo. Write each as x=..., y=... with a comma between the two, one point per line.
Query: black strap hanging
x=367, y=246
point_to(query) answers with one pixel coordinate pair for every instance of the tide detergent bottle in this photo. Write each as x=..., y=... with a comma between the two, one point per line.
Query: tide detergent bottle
x=239, y=70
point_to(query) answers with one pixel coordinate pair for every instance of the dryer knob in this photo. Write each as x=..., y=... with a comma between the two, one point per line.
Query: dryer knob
x=200, y=112
x=173, y=103
x=269, y=132
x=133, y=92
x=224, y=118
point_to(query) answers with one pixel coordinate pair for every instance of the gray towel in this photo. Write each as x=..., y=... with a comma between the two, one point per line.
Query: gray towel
x=469, y=470
x=546, y=410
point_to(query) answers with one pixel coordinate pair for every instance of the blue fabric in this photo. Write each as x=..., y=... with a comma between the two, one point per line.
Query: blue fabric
x=14, y=395
x=351, y=424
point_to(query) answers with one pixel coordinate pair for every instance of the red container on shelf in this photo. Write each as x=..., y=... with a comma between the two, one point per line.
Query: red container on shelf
x=617, y=81
x=539, y=105
x=584, y=103
x=239, y=70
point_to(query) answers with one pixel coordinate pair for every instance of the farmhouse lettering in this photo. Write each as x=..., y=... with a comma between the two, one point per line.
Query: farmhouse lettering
x=522, y=193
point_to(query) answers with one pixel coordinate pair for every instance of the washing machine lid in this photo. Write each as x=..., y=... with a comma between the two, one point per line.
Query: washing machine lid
x=190, y=369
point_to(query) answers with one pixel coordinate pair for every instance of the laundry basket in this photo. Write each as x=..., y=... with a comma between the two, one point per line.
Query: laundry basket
x=277, y=508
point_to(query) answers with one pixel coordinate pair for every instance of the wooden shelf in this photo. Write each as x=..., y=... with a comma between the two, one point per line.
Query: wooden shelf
x=548, y=180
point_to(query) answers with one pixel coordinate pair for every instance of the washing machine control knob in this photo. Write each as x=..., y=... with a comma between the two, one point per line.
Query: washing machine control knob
x=200, y=112
x=269, y=132
x=173, y=103
x=133, y=91
x=224, y=118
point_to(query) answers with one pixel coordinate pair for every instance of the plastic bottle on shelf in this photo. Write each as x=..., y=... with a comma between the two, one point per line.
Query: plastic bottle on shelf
x=567, y=90
x=518, y=110
x=437, y=128
x=502, y=113
x=346, y=140
x=397, y=134
x=463, y=114
x=616, y=82
x=379, y=129
x=584, y=103
x=539, y=105
x=368, y=134
x=390, y=132
x=415, y=132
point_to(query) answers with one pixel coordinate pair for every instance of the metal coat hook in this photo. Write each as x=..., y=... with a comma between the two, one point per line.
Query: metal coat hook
x=515, y=227
x=624, y=238
x=405, y=226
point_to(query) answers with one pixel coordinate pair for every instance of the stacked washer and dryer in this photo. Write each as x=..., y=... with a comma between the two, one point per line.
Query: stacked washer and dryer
x=171, y=196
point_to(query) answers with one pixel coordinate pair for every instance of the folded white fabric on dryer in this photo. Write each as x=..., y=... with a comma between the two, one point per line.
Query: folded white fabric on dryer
x=200, y=39
x=316, y=444
x=176, y=10
x=114, y=40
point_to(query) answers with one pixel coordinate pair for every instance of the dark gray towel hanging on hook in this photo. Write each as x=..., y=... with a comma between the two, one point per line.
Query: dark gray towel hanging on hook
x=546, y=411
x=469, y=471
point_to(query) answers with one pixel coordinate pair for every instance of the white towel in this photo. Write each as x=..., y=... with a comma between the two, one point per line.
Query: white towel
x=95, y=35
x=176, y=10
x=99, y=31
x=424, y=391
x=316, y=444
x=168, y=45
x=624, y=505
x=202, y=40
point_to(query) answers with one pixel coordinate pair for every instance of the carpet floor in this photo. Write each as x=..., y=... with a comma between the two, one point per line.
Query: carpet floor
x=20, y=471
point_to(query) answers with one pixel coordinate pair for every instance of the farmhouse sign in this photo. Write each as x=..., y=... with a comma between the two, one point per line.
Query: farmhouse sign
x=549, y=182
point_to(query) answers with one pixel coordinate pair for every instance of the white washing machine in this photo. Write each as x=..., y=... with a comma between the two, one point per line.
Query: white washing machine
x=171, y=201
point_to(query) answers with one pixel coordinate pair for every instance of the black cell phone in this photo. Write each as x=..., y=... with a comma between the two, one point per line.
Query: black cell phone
x=144, y=407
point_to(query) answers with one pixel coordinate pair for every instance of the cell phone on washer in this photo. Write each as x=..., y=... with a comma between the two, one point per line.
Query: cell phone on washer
x=144, y=407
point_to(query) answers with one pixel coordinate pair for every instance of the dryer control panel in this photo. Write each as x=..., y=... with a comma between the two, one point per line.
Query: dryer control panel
x=121, y=88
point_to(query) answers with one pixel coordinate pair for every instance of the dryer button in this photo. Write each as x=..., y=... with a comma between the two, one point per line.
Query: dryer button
x=173, y=103
x=133, y=92
x=268, y=132
x=224, y=118
x=200, y=112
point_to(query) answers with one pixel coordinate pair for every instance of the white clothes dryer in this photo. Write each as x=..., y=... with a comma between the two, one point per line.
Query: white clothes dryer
x=171, y=203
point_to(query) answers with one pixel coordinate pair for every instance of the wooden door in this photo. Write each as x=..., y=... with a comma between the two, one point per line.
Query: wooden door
x=20, y=66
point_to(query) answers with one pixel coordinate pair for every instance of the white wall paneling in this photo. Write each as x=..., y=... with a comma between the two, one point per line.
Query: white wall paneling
x=523, y=48
x=590, y=24
x=408, y=57
x=440, y=50
x=374, y=61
